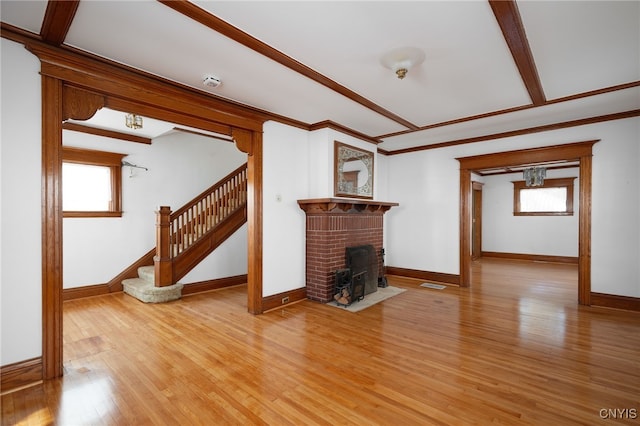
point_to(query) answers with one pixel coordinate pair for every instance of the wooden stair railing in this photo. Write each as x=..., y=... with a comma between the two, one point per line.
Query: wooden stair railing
x=187, y=236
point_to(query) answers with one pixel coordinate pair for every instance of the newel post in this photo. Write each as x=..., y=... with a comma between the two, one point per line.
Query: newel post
x=162, y=260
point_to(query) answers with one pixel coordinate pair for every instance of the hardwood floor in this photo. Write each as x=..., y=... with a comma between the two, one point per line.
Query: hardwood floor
x=515, y=348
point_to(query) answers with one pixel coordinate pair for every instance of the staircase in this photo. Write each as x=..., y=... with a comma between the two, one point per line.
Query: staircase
x=144, y=289
x=187, y=236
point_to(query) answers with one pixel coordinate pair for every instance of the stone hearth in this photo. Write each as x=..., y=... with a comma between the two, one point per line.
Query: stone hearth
x=333, y=224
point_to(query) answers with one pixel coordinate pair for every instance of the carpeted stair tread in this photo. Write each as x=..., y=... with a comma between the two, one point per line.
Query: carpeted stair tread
x=144, y=289
x=147, y=273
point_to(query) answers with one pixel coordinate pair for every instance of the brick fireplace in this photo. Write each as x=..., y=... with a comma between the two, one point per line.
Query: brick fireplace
x=333, y=224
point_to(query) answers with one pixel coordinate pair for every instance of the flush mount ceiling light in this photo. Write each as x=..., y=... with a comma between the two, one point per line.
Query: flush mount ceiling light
x=401, y=60
x=133, y=121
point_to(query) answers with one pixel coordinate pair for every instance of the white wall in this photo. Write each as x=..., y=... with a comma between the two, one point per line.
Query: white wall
x=181, y=165
x=545, y=235
x=20, y=208
x=321, y=158
x=285, y=181
x=423, y=233
x=615, y=242
x=320, y=162
x=297, y=165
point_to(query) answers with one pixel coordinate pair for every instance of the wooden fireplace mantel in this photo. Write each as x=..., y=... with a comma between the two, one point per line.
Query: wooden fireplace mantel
x=332, y=226
x=332, y=205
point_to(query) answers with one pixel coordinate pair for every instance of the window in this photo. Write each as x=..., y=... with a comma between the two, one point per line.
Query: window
x=91, y=183
x=554, y=198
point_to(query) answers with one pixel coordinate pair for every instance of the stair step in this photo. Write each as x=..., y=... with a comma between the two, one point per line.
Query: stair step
x=146, y=292
x=147, y=273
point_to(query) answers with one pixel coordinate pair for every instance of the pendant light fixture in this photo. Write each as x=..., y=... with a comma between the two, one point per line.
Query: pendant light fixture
x=534, y=176
x=133, y=121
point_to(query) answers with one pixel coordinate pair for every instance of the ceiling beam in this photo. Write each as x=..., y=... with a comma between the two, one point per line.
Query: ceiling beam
x=57, y=20
x=328, y=124
x=213, y=22
x=220, y=137
x=106, y=133
x=511, y=133
x=510, y=171
x=516, y=109
x=506, y=12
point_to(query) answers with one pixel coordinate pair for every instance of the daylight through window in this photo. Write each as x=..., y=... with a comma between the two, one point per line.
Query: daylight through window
x=91, y=183
x=85, y=187
x=555, y=197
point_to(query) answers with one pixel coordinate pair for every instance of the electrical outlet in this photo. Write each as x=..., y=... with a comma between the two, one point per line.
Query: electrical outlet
x=285, y=300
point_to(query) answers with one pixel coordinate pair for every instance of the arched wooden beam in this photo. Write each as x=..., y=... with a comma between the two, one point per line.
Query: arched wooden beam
x=243, y=140
x=80, y=104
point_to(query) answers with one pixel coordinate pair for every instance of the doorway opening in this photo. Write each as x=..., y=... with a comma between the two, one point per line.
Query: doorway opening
x=476, y=221
x=65, y=77
x=580, y=152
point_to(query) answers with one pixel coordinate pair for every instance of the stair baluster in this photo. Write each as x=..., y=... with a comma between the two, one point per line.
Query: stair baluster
x=177, y=232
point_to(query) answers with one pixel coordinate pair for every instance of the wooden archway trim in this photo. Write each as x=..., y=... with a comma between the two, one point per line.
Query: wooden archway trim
x=251, y=143
x=75, y=86
x=80, y=104
x=52, y=100
x=142, y=89
x=580, y=151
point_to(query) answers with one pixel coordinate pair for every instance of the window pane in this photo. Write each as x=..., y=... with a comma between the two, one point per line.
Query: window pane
x=85, y=188
x=543, y=200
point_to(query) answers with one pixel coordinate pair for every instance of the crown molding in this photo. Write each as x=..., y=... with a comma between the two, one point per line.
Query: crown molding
x=30, y=39
x=328, y=124
x=537, y=129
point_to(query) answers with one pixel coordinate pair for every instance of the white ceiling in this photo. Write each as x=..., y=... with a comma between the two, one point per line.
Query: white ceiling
x=578, y=47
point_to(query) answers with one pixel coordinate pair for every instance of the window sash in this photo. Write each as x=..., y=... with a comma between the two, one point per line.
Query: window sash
x=101, y=160
x=561, y=189
x=86, y=187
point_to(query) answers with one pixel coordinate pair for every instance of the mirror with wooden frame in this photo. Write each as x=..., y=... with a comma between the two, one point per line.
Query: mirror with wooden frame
x=353, y=172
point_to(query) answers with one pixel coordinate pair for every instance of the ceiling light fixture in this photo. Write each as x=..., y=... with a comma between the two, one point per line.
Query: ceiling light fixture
x=133, y=121
x=534, y=176
x=401, y=60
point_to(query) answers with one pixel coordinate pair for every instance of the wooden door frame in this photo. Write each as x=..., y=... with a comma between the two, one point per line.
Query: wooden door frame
x=76, y=86
x=476, y=187
x=580, y=151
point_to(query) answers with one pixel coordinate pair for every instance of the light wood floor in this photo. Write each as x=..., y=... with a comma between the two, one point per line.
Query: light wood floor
x=513, y=349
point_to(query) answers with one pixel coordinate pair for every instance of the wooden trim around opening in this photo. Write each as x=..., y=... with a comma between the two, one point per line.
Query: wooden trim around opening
x=581, y=151
x=439, y=277
x=21, y=374
x=532, y=257
x=614, y=301
x=119, y=87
